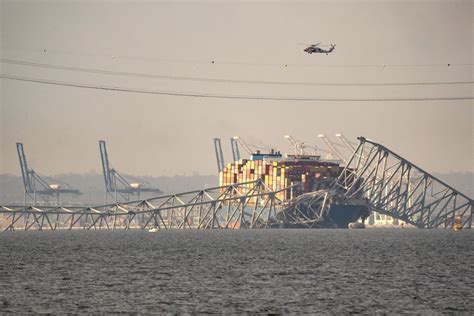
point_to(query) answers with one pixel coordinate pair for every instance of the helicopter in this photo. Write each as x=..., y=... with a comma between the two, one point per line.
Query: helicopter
x=316, y=48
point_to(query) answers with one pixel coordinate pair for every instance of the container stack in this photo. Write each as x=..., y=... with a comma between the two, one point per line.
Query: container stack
x=310, y=175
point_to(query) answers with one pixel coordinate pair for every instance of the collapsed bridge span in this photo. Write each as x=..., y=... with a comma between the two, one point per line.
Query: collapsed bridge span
x=396, y=187
x=374, y=179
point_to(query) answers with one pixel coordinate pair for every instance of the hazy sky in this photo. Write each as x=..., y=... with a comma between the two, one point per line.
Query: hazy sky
x=165, y=135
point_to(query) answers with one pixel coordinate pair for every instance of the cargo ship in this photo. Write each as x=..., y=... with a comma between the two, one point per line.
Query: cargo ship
x=306, y=174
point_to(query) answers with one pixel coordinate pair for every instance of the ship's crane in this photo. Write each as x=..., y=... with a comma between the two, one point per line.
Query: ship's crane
x=331, y=147
x=235, y=149
x=219, y=154
x=36, y=185
x=116, y=185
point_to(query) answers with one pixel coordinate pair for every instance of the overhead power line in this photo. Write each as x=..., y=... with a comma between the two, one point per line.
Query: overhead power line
x=216, y=61
x=221, y=96
x=218, y=80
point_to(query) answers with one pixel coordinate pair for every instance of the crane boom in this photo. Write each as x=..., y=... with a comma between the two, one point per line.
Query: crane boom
x=105, y=165
x=115, y=184
x=333, y=149
x=219, y=154
x=243, y=144
x=30, y=177
x=235, y=149
x=35, y=185
x=24, y=168
x=297, y=146
x=346, y=142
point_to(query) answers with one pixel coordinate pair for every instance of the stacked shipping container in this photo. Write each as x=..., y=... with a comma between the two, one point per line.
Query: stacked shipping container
x=311, y=174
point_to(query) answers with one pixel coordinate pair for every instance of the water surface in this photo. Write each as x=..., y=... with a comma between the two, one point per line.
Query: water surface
x=259, y=271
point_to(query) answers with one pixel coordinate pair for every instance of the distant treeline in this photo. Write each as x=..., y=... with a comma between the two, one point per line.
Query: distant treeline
x=92, y=185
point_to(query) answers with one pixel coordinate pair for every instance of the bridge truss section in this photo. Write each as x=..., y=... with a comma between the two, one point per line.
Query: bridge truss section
x=242, y=205
x=396, y=187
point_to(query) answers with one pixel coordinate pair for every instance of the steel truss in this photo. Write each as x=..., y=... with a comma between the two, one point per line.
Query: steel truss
x=243, y=205
x=396, y=187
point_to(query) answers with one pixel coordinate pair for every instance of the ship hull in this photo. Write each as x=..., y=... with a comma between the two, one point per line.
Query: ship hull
x=322, y=209
x=343, y=215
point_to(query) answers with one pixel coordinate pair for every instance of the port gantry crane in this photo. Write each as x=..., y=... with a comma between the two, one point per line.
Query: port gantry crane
x=298, y=146
x=242, y=143
x=37, y=186
x=235, y=149
x=332, y=148
x=234, y=144
x=118, y=186
x=349, y=145
x=247, y=147
x=219, y=154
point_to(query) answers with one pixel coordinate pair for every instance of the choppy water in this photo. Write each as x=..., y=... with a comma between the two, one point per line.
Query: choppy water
x=271, y=271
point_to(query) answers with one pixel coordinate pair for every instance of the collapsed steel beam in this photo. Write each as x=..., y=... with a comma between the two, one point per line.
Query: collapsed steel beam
x=396, y=187
x=241, y=205
x=390, y=185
